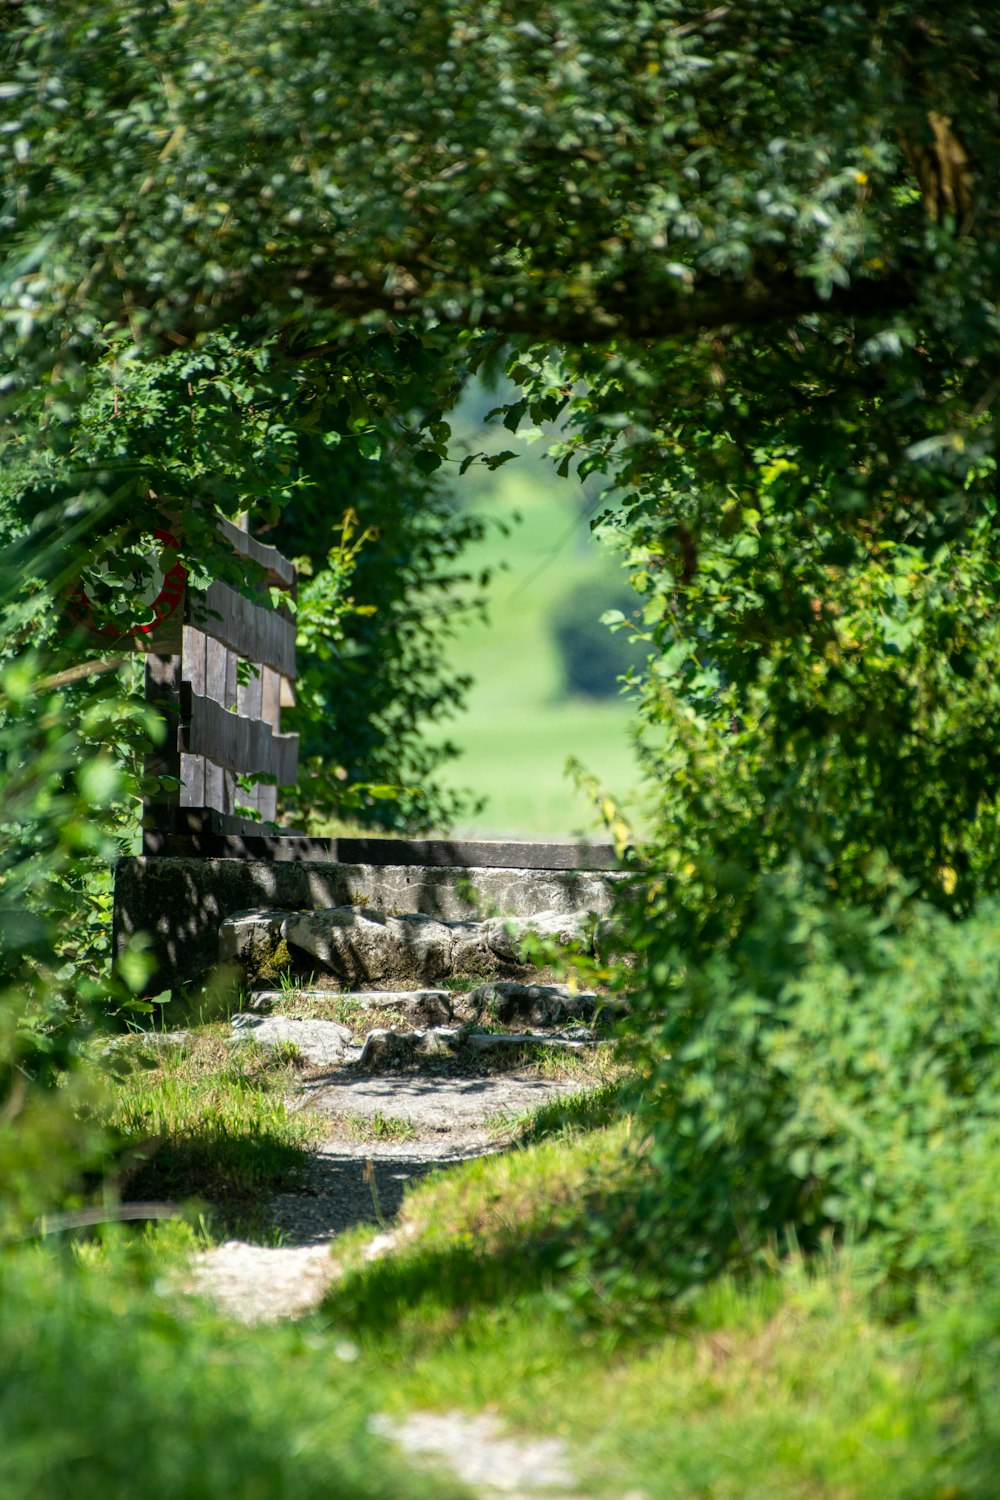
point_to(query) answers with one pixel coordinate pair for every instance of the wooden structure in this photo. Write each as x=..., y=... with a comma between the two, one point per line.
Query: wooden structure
x=221, y=694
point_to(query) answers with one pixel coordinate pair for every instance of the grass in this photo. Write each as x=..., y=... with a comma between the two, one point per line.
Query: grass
x=340, y=1008
x=111, y=1388
x=520, y=728
x=786, y=1384
x=210, y=1122
x=380, y=1127
x=783, y=1385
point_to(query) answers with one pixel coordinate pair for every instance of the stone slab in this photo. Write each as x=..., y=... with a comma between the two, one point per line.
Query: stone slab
x=182, y=903
x=243, y=843
x=320, y=1043
x=385, y=1050
x=360, y=946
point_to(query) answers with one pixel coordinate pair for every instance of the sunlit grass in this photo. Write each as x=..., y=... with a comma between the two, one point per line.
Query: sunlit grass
x=783, y=1384
x=211, y=1122
x=114, y=1387
x=520, y=729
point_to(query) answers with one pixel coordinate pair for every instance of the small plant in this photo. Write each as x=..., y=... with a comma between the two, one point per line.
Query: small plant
x=294, y=984
x=380, y=1127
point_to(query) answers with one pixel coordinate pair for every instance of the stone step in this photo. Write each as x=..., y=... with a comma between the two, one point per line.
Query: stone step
x=424, y=1007
x=508, y=1002
x=362, y=947
x=387, y=1050
x=180, y=902
x=329, y=1043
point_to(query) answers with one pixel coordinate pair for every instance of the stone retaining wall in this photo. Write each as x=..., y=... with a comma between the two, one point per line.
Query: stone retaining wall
x=182, y=903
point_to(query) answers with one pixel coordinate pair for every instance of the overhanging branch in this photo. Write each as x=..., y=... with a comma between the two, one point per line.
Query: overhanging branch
x=630, y=312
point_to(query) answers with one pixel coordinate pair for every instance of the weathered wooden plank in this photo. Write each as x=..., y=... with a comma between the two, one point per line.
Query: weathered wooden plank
x=255, y=634
x=238, y=744
x=193, y=670
x=270, y=697
x=267, y=802
x=249, y=704
x=220, y=783
x=280, y=572
x=250, y=695
x=208, y=821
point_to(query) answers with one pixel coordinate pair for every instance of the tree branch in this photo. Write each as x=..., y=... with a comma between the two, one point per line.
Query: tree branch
x=618, y=315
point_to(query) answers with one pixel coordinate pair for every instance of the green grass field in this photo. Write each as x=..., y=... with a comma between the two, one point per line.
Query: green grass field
x=521, y=727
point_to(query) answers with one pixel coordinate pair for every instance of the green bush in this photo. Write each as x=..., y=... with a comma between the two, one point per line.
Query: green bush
x=594, y=657
x=826, y=1071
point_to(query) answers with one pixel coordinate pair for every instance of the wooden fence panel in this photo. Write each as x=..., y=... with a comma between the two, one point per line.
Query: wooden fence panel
x=243, y=745
x=193, y=767
x=217, y=726
x=254, y=633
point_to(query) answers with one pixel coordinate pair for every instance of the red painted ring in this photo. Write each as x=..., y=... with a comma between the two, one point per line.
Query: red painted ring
x=164, y=605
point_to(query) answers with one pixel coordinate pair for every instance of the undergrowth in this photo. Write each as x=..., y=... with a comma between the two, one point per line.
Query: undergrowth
x=110, y=1387
x=210, y=1122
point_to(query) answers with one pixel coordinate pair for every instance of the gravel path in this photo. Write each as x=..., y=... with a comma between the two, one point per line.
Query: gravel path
x=452, y=1117
x=449, y=1118
x=477, y=1452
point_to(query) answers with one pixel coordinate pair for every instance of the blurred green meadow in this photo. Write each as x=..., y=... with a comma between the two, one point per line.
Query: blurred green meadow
x=522, y=725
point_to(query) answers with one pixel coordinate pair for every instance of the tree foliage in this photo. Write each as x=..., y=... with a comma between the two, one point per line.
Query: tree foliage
x=635, y=171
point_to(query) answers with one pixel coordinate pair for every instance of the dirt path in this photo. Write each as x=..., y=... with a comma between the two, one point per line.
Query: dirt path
x=442, y=1117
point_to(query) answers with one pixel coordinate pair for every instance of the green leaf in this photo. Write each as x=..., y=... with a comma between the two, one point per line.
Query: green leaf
x=100, y=780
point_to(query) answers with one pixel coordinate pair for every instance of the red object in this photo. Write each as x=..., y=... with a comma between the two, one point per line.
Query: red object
x=163, y=606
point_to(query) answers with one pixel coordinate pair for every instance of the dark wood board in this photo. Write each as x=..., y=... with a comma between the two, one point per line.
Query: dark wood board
x=432, y=853
x=239, y=744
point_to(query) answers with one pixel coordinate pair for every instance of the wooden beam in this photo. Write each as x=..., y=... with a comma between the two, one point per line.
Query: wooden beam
x=280, y=572
x=238, y=744
x=255, y=634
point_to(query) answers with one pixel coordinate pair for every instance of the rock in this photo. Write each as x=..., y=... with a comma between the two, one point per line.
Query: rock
x=400, y=1049
x=363, y=947
x=505, y=936
x=609, y=944
x=470, y=953
x=319, y=1043
x=573, y=1039
x=247, y=935
x=395, y=1049
x=165, y=1041
x=429, y=1007
x=508, y=1001
x=136, y=1049
x=263, y=1001
x=181, y=902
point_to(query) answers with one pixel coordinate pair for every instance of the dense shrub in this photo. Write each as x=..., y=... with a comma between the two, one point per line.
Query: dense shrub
x=825, y=1071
